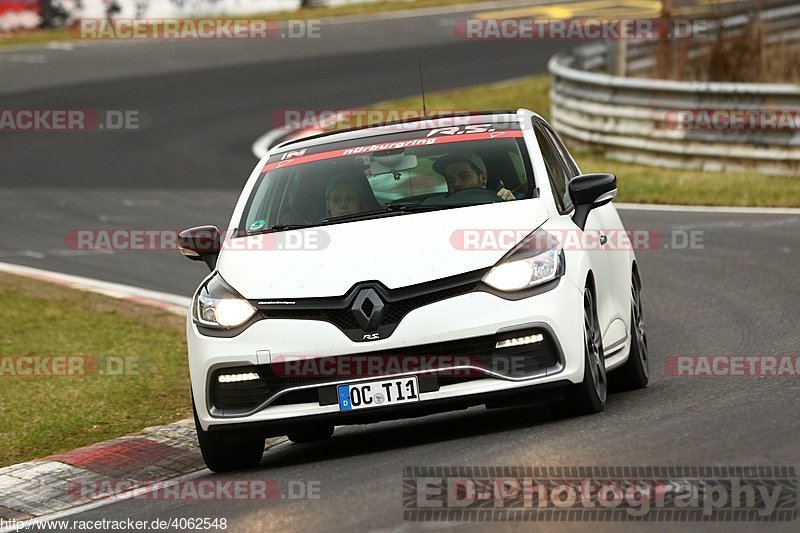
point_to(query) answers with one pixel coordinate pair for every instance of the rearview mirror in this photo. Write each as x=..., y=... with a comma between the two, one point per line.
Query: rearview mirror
x=589, y=191
x=200, y=244
x=390, y=161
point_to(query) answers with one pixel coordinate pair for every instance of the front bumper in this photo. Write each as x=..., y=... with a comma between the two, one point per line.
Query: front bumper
x=475, y=315
x=530, y=394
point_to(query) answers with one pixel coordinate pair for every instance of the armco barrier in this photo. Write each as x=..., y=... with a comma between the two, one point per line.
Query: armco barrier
x=658, y=122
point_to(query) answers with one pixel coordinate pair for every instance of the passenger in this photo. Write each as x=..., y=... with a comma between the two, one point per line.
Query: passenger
x=342, y=197
x=465, y=171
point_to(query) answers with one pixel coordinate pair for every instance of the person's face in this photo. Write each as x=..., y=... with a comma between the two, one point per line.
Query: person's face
x=462, y=175
x=343, y=200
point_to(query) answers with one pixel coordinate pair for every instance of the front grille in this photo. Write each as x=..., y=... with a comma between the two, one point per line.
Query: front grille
x=394, y=312
x=512, y=362
x=397, y=303
x=341, y=318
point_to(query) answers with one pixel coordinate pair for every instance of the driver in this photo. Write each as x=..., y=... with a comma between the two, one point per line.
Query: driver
x=464, y=171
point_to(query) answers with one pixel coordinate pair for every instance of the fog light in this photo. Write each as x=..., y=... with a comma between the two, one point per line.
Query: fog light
x=234, y=378
x=519, y=341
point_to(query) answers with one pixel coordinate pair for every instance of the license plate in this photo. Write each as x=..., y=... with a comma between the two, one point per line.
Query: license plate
x=378, y=393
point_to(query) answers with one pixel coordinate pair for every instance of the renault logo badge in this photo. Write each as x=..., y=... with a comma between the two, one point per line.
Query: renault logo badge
x=368, y=309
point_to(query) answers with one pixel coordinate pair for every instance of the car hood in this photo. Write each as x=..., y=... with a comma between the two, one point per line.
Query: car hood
x=397, y=250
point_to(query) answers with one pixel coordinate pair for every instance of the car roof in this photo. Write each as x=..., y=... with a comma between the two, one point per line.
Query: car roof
x=422, y=123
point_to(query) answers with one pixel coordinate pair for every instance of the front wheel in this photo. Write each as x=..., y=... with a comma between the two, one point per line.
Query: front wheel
x=588, y=396
x=222, y=452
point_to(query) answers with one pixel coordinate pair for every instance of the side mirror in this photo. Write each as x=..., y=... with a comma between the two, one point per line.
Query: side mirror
x=200, y=244
x=589, y=191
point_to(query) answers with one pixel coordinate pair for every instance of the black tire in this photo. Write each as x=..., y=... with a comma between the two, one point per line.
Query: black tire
x=635, y=373
x=310, y=434
x=224, y=452
x=588, y=396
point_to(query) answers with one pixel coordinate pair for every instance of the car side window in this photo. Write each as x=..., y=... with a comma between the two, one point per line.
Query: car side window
x=556, y=170
x=569, y=164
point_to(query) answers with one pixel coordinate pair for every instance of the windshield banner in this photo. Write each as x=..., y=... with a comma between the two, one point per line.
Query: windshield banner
x=436, y=136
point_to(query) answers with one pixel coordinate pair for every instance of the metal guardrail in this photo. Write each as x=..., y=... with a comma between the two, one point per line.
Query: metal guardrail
x=653, y=122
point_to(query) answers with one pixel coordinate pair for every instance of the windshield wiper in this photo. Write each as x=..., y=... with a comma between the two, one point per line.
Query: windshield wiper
x=355, y=216
x=393, y=209
x=424, y=207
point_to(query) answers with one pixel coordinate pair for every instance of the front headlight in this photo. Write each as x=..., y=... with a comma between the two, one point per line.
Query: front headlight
x=218, y=305
x=535, y=260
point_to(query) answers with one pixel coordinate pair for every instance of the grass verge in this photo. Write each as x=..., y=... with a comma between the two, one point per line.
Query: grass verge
x=637, y=183
x=309, y=13
x=144, y=380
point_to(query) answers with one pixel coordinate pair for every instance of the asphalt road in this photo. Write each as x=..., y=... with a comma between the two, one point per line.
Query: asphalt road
x=736, y=295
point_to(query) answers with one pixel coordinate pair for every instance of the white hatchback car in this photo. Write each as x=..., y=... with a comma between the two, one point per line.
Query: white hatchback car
x=407, y=269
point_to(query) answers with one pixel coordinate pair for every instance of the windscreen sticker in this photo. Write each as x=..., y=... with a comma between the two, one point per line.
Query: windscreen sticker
x=296, y=153
x=462, y=130
x=257, y=225
x=457, y=136
x=387, y=146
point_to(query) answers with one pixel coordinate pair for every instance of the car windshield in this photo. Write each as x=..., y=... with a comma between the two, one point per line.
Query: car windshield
x=408, y=172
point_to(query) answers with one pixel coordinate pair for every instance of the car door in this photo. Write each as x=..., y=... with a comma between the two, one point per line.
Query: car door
x=601, y=223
